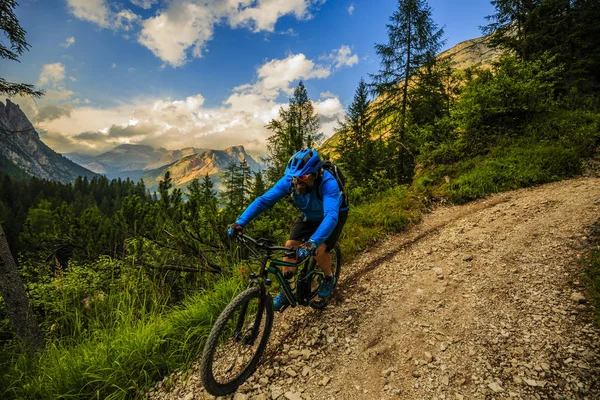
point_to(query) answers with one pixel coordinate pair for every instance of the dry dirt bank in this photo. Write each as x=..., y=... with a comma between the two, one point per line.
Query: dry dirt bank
x=481, y=301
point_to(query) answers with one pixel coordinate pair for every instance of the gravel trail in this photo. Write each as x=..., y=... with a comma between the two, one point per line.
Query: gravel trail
x=480, y=301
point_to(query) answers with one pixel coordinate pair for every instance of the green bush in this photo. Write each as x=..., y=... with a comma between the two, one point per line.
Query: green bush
x=521, y=165
x=592, y=276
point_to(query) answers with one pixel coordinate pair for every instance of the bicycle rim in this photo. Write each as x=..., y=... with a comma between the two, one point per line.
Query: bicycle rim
x=236, y=342
x=336, y=263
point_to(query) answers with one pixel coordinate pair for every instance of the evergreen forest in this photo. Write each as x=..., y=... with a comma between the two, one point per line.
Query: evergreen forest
x=123, y=284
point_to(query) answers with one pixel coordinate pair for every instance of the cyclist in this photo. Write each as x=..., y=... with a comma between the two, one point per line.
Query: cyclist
x=324, y=211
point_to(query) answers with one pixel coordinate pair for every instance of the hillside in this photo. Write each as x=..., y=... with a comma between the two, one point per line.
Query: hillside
x=470, y=53
x=477, y=301
x=22, y=153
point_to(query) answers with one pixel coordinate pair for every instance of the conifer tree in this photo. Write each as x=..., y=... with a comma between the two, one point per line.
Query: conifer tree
x=245, y=183
x=359, y=156
x=413, y=38
x=233, y=187
x=295, y=129
x=12, y=29
x=258, y=187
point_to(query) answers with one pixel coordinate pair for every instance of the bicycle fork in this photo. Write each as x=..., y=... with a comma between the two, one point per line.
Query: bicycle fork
x=251, y=336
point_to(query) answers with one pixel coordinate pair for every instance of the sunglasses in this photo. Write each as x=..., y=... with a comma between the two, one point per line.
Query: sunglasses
x=302, y=179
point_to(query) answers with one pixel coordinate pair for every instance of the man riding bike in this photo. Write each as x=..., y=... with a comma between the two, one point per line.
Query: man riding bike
x=317, y=194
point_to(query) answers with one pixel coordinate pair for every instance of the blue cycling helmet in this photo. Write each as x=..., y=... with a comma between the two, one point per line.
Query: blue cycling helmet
x=304, y=162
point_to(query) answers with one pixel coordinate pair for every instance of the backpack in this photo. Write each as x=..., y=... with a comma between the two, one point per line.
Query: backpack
x=339, y=177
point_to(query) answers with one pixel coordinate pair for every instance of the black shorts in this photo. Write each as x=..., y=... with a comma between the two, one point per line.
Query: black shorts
x=302, y=230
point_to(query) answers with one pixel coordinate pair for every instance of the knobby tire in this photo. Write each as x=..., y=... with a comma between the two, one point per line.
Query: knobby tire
x=222, y=347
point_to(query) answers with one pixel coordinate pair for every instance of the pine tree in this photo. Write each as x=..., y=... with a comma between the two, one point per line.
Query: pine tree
x=245, y=183
x=295, y=129
x=413, y=39
x=12, y=29
x=258, y=187
x=359, y=156
x=233, y=187
x=510, y=26
x=429, y=98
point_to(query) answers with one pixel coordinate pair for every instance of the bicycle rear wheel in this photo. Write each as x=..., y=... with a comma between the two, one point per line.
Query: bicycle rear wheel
x=236, y=342
x=316, y=278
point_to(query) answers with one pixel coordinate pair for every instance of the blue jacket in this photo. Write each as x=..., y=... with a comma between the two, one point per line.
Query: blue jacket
x=324, y=207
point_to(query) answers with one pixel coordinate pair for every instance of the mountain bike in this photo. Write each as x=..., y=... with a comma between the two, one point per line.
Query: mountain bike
x=240, y=334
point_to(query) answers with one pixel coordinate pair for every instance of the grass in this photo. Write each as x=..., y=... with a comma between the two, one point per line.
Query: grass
x=122, y=362
x=591, y=274
x=391, y=211
x=522, y=164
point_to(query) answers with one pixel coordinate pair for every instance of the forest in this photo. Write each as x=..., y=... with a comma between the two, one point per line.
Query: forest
x=123, y=284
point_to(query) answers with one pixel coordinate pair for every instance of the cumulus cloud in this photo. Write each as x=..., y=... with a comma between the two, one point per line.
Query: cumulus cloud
x=95, y=11
x=342, y=57
x=68, y=42
x=351, y=9
x=186, y=25
x=48, y=112
x=145, y=4
x=178, y=123
x=103, y=15
x=183, y=27
x=52, y=74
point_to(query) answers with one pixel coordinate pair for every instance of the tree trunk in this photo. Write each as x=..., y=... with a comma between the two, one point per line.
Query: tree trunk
x=17, y=303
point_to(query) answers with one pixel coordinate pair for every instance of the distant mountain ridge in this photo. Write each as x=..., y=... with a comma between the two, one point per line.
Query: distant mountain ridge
x=22, y=153
x=137, y=162
x=123, y=159
x=211, y=162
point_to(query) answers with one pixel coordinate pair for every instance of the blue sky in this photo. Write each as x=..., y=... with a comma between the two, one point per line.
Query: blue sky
x=201, y=73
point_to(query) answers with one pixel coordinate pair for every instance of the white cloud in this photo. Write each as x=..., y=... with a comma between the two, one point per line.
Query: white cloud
x=68, y=42
x=351, y=9
x=145, y=4
x=73, y=125
x=186, y=24
x=101, y=14
x=113, y=65
x=342, y=57
x=52, y=75
x=183, y=27
x=95, y=11
x=266, y=13
x=327, y=95
x=172, y=32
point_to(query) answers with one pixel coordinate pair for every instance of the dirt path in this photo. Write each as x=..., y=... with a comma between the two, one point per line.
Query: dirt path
x=481, y=301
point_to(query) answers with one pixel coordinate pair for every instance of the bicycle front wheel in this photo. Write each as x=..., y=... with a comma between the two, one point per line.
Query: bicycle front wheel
x=236, y=342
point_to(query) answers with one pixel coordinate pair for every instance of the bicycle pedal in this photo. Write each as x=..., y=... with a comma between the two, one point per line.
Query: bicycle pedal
x=282, y=309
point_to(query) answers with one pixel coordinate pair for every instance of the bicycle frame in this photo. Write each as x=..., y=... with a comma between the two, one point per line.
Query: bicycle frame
x=274, y=267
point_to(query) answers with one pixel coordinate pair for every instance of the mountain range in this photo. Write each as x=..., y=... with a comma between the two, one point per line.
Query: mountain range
x=23, y=154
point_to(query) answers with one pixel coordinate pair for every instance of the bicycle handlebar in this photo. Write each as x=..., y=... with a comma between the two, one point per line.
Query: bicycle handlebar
x=265, y=244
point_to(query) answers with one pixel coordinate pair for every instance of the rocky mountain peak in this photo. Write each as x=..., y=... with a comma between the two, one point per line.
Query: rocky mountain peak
x=22, y=150
x=14, y=121
x=239, y=149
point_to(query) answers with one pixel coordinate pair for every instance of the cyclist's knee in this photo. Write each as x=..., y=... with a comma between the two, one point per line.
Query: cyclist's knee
x=292, y=243
x=322, y=253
